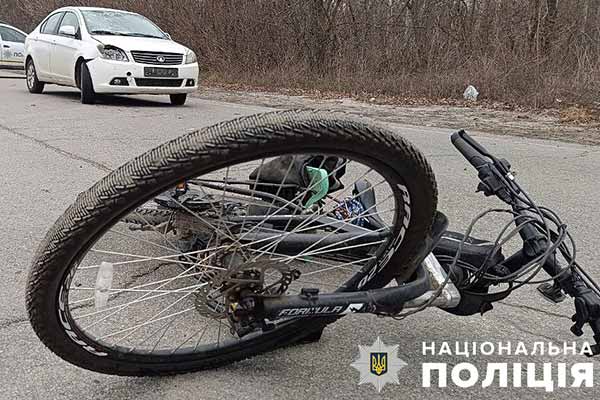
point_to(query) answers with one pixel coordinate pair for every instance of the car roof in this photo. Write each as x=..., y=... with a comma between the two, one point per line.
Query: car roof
x=13, y=27
x=71, y=8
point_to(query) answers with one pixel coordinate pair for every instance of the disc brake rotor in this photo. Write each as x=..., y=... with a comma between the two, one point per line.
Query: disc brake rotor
x=271, y=278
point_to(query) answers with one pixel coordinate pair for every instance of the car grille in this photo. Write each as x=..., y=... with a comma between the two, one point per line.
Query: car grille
x=153, y=57
x=156, y=82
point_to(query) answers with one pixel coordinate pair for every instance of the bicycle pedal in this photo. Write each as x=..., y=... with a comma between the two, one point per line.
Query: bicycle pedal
x=576, y=330
x=551, y=293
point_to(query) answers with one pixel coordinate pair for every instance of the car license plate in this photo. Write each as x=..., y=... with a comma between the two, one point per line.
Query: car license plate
x=153, y=72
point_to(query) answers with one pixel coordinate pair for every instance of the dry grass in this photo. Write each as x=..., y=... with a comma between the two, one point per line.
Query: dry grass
x=580, y=115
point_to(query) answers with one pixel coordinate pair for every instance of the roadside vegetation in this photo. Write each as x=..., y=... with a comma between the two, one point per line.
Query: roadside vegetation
x=530, y=53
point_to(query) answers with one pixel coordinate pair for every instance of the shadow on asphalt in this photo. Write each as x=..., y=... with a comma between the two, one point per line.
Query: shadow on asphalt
x=112, y=100
x=12, y=73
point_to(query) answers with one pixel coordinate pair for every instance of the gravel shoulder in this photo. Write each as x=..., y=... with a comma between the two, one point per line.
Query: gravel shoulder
x=543, y=124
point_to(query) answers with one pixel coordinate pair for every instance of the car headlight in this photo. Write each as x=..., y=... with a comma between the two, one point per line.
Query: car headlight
x=112, y=53
x=190, y=57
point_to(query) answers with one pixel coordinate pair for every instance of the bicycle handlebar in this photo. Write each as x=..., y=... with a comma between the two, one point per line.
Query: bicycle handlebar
x=463, y=143
x=497, y=180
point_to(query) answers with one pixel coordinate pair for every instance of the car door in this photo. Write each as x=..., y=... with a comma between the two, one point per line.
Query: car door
x=13, y=46
x=43, y=45
x=66, y=50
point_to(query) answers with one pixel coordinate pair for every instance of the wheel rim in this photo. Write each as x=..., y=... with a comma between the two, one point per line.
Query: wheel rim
x=30, y=75
x=146, y=302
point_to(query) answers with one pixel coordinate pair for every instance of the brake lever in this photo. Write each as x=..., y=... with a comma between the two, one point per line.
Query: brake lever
x=491, y=184
x=587, y=311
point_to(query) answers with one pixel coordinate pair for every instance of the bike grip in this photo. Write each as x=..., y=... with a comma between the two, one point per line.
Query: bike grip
x=472, y=155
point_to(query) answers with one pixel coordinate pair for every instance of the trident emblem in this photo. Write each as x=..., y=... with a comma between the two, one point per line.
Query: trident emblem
x=378, y=363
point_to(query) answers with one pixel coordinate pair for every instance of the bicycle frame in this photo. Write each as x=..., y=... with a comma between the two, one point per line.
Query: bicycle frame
x=282, y=216
x=429, y=275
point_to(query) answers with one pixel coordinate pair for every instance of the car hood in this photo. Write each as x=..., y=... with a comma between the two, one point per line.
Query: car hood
x=129, y=43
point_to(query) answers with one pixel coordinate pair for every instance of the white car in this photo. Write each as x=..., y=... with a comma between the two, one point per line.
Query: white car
x=12, y=46
x=101, y=50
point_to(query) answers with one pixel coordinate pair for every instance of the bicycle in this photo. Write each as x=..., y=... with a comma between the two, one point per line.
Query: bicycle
x=257, y=233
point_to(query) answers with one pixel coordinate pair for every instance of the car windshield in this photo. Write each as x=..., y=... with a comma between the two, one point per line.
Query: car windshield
x=108, y=22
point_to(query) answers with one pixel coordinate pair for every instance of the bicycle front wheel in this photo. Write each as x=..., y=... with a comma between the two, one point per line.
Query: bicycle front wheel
x=298, y=199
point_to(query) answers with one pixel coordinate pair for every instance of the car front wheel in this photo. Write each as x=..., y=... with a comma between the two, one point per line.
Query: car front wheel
x=178, y=99
x=33, y=83
x=88, y=95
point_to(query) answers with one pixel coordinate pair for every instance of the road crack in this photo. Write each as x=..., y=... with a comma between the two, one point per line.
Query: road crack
x=58, y=150
x=524, y=307
x=536, y=334
x=7, y=323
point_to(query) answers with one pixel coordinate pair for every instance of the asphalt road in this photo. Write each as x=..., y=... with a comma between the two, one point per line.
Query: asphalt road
x=52, y=148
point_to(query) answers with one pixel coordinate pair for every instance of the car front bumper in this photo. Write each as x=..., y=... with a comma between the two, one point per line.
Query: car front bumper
x=104, y=71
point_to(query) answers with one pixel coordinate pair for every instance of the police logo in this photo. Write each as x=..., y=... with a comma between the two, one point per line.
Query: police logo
x=378, y=364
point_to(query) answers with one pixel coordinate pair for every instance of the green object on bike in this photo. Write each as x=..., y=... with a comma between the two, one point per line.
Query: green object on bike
x=319, y=184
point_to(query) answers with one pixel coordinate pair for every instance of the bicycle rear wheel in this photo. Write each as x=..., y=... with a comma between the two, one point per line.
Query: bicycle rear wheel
x=152, y=301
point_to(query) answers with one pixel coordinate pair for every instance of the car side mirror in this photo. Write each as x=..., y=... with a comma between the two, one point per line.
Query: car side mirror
x=168, y=36
x=67, y=30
